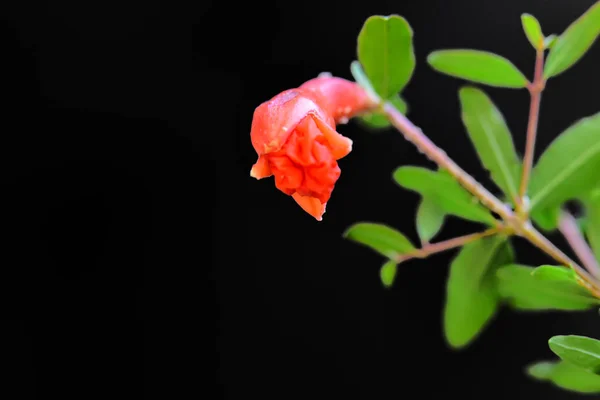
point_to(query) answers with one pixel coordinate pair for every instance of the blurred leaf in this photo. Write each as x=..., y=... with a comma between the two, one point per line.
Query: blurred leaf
x=550, y=41
x=592, y=226
x=388, y=273
x=385, y=240
x=569, y=166
x=566, y=376
x=522, y=289
x=430, y=219
x=378, y=120
x=533, y=31
x=492, y=139
x=547, y=219
x=478, y=66
x=444, y=191
x=471, y=296
x=581, y=351
x=574, y=42
x=385, y=50
x=554, y=273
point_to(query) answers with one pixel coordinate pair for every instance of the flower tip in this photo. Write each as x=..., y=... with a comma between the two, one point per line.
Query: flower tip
x=261, y=169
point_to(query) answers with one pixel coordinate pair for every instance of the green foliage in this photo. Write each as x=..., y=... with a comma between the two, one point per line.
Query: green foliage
x=378, y=120
x=471, y=295
x=592, y=226
x=533, y=31
x=566, y=376
x=444, y=191
x=385, y=51
x=574, y=42
x=543, y=288
x=379, y=237
x=581, y=351
x=485, y=275
x=387, y=273
x=429, y=220
x=549, y=41
x=569, y=167
x=492, y=139
x=478, y=66
x=547, y=219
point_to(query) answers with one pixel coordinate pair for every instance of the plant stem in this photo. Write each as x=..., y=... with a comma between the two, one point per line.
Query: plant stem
x=437, y=155
x=535, y=91
x=512, y=223
x=569, y=229
x=449, y=244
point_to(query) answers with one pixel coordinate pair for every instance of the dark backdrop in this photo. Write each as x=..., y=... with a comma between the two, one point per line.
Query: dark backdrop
x=140, y=260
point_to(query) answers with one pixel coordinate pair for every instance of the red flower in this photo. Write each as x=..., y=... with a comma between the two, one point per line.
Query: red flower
x=296, y=141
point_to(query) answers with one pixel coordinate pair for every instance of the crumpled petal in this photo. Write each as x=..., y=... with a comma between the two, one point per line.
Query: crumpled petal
x=261, y=169
x=311, y=205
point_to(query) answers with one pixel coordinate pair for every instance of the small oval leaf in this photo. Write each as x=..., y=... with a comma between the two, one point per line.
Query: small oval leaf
x=478, y=66
x=566, y=376
x=581, y=351
x=429, y=220
x=533, y=31
x=385, y=240
x=387, y=273
x=444, y=191
x=471, y=296
x=574, y=42
x=385, y=50
x=554, y=273
x=520, y=288
x=568, y=167
x=492, y=139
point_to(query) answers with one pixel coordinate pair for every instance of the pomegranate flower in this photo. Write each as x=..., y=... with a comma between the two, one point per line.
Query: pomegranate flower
x=295, y=138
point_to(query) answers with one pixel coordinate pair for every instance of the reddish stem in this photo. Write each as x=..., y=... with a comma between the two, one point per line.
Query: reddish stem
x=449, y=244
x=535, y=90
x=569, y=229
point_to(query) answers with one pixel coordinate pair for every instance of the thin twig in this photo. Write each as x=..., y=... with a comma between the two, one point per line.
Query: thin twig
x=519, y=226
x=535, y=90
x=449, y=244
x=568, y=227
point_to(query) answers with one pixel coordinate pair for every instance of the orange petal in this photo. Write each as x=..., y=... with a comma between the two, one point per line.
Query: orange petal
x=311, y=205
x=340, y=145
x=261, y=169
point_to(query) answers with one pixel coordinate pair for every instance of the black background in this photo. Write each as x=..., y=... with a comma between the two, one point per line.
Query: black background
x=140, y=259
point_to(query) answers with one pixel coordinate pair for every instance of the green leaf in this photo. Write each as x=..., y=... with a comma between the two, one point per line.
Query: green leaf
x=471, y=296
x=569, y=166
x=378, y=120
x=566, y=376
x=385, y=50
x=379, y=237
x=550, y=41
x=554, y=273
x=444, y=191
x=388, y=273
x=533, y=31
x=592, y=226
x=574, y=42
x=547, y=219
x=581, y=351
x=430, y=219
x=478, y=66
x=525, y=290
x=492, y=139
